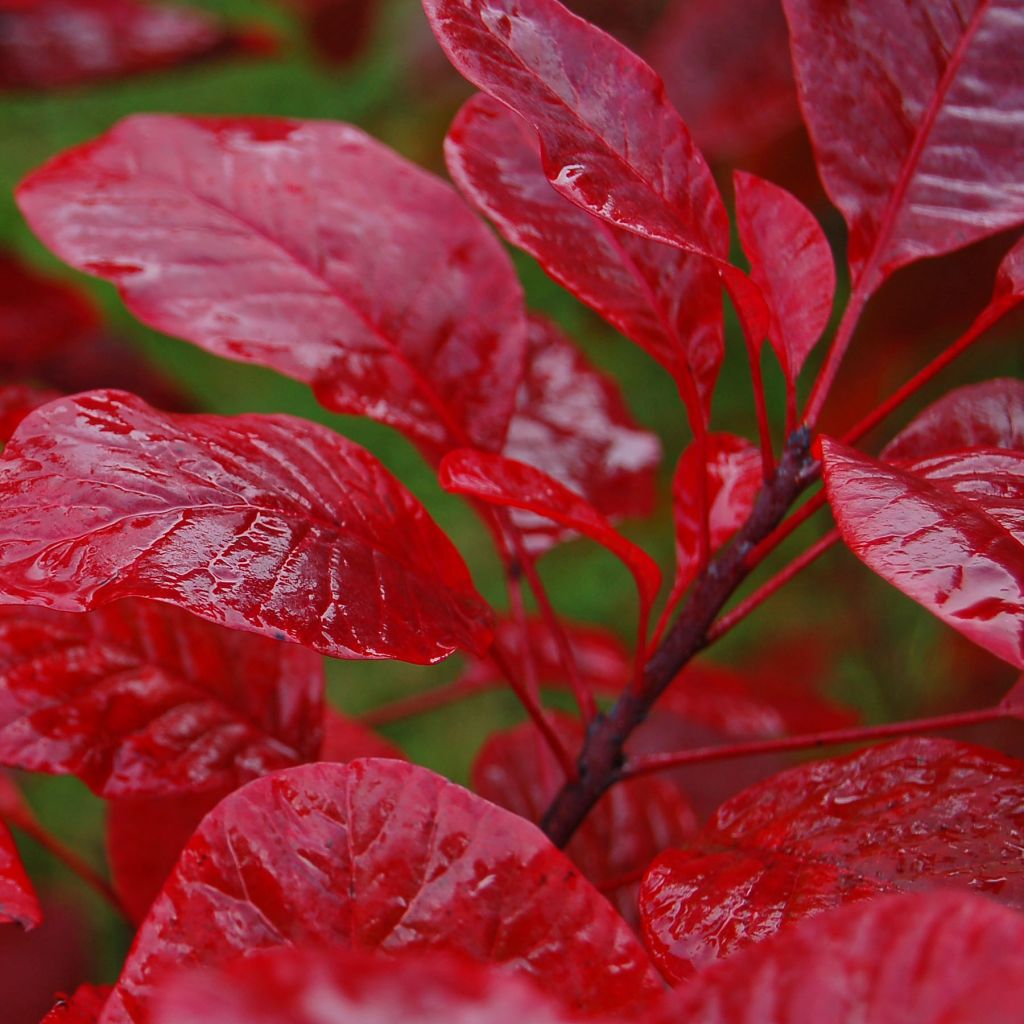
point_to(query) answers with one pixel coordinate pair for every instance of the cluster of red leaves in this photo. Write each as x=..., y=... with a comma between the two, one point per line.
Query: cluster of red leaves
x=283, y=863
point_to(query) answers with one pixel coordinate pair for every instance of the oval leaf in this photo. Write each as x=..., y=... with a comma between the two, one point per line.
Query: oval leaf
x=914, y=113
x=572, y=423
x=918, y=812
x=667, y=301
x=141, y=699
x=382, y=855
x=933, y=958
x=304, y=246
x=297, y=986
x=947, y=531
x=262, y=523
x=18, y=901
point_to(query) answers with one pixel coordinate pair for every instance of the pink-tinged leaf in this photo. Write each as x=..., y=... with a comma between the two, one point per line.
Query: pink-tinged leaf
x=733, y=474
x=39, y=316
x=988, y=415
x=53, y=44
x=913, y=111
x=727, y=69
x=631, y=824
x=1013, y=702
x=572, y=423
x=669, y=302
x=140, y=699
x=300, y=986
x=791, y=262
x=912, y=814
x=382, y=855
x=18, y=901
x=304, y=246
x=262, y=523
x=510, y=484
x=947, y=531
x=84, y=1007
x=930, y=958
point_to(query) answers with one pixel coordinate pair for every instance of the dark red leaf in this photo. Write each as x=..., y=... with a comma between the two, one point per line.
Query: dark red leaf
x=919, y=812
x=381, y=854
x=510, y=484
x=913, y=110
x=309, y=248
x=988, y=415
x=667, y=301
x=631, y=824
x=727, y=70
x=52, y=44
x=571, y=422
x=932, y=958
x=947, y=531
x=791, y=262
x=734, y=476
x=338, y=30
x=16, y=402
x=18, y=901
x=84, y=1007
x=141, y=699
x=262, y=523
x=346, y=739
x=303, y=986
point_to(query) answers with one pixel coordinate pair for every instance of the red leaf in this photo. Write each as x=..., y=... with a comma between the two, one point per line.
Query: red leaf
x=346, y=739
x=263, y=523
x=510, y=484
x=338, y=30
x=988, y=415
x=631, y=824
x=300, y=986
x=16, y=402
x=572, y=423
x=84, y=1007
x=727, y=70
x=140, y=699
x=309, y=248
x=919, y=812
x=913, y=113
x=734, y=477
x=52, y=44
x=17, y=899
x=669, y=302
x=381, y=854
x=948, y=532
x=934, y=958
x=791, y=262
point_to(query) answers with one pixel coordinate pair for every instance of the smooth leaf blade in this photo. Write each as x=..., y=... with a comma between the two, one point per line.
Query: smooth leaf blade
x=304, y=246
x=947, y=531
x=912, y=814
x=667, y=301
x=914, y=113
x=18, y=902
x=261, y=523
x=382, y=855
x=140, y=699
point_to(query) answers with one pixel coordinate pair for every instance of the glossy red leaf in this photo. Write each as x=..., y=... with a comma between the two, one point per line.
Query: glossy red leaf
x=140, y=699
x=947, y=531
x=931, y=958
x=83, y=1007
x=301, y=986
x=263, y=523
x=381, y=854
x=988, y=415
x=510, y=484
x=52, y=44
x=572, y=423
x=667, y=301
x=913, y=111
x=733, y=475
x=631, y=824
x=791, y=262
x=18, y=901
x=727, y=69
x=911, y=814
x=309, y=248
